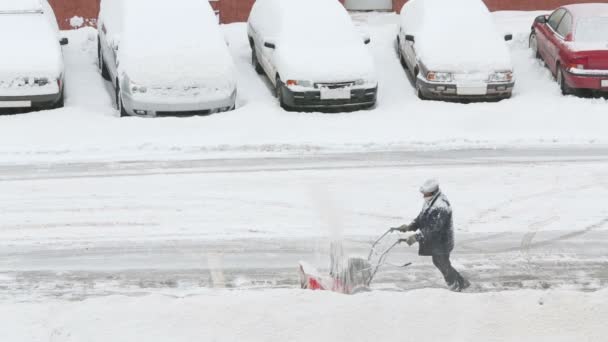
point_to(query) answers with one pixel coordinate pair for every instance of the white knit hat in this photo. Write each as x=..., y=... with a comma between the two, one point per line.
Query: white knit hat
x=430, y=186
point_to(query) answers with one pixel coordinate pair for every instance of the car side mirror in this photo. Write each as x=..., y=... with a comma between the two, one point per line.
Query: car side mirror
x=269, y=43
x=569, y=37
x=63, y=41
x=409, y=38
x=508, y=37
x=541, y=19
x=367, y=40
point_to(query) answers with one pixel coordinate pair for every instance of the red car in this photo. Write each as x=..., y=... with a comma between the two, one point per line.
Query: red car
x=573, y=43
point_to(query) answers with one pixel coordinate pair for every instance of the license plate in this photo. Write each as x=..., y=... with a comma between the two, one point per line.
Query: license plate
x=604, y=83
x=335, y=94
x=472, y=90
x=15, y=104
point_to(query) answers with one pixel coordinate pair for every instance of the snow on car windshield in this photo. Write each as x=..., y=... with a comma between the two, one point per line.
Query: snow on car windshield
x=187, y=47
x=317, y=22
x=589, y=30
x=455, y=35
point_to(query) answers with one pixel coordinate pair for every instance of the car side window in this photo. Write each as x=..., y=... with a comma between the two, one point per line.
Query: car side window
x=565, y=27
x=556, y=18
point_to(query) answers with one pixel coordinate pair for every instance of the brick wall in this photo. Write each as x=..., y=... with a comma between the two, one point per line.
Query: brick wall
x=238, y=10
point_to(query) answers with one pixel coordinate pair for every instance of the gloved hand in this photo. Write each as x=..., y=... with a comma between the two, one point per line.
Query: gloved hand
x=412, y=239
x=404, y=228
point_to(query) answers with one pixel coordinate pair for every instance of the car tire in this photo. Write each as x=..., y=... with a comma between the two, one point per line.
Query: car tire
x=60, y=103
x=561, y=81
x=255, y=62
x=533, y=45
x=120, y=109
x=103, y=68
x=279, y=93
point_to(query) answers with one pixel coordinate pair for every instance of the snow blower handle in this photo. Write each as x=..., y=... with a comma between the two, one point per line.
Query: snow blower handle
x=391, y=230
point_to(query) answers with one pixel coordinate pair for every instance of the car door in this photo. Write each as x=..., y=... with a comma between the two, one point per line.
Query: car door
x=544, y=32
x=564, y=30
x=553, y=40
x=408, y=51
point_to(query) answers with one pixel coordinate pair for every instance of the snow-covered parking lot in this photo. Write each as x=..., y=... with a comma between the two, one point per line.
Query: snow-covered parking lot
x=88, y=127
x=183, y=229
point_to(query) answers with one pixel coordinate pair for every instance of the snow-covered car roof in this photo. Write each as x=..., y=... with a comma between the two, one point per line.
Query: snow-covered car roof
x=302, y=21
x=309, y=32
x=176, y=41
x=580, y=11
x=20, y=5
x=457, y=36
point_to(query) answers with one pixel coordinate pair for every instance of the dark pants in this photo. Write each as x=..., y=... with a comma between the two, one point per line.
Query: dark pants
x=454, y=280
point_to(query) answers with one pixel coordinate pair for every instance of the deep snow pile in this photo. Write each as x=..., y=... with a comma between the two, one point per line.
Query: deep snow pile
x=291, y=315
x=89, y=129
x=455, y=35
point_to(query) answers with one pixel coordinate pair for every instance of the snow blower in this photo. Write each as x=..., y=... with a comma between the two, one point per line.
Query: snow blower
x=350, y=277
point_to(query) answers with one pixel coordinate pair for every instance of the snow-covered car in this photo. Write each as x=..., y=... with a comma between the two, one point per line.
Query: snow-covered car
x=453, y=50
x=573, y=43
x=313, y=54
x=165, y=58
x=31, y=67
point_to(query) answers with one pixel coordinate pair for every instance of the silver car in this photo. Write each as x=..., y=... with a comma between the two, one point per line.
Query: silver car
x=181, y=68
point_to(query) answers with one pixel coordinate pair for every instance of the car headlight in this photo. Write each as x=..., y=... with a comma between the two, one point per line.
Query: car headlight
x=134, y=88
x=439, y=76
x=501, y=76
x=360, y=82
x=299, y=83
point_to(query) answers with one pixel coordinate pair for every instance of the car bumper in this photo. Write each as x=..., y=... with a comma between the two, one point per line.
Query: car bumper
x=143, y=107
x=593, y=82
x=30, y=101
x=450, y=91
x=311, y=99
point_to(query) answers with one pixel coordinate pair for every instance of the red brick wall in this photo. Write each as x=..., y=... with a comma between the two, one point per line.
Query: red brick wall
x=238, y=10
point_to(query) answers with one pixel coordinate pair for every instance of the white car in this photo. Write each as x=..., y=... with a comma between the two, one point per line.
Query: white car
x=453, y=50
x=312, y=54
x=165, y=58
x=31, y=67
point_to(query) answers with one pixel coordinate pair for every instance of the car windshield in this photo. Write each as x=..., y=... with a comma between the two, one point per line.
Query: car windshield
x=592, y=30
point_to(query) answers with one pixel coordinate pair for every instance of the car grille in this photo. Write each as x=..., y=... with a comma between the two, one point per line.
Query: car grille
x=312, y=99
x=187, y=113
x=334, y=85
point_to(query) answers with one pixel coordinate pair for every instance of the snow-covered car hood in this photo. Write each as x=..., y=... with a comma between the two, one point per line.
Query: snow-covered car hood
x=30, y=47
x=328, y=64
x=456, y=36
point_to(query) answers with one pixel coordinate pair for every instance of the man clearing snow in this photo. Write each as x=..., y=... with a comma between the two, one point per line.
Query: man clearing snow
x=435, y=233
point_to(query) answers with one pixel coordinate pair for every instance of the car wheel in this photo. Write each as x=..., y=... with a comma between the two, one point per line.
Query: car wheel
x=533, y=43
x=561, y=81
x=60, y=103
x=119, y=104
x=255, y=62
x=279, y=93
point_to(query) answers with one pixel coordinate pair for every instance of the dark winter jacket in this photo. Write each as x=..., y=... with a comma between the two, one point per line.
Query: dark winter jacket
x=435, y=225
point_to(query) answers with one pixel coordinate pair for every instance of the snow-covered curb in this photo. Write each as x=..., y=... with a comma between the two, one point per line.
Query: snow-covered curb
x=294, y=315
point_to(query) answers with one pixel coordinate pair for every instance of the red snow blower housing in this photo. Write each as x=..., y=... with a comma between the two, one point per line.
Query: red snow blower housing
x=350, y=277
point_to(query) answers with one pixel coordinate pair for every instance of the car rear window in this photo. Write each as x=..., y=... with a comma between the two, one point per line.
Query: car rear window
x=592, y=30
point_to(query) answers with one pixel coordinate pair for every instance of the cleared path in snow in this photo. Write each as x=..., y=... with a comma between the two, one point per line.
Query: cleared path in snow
x=524, y=218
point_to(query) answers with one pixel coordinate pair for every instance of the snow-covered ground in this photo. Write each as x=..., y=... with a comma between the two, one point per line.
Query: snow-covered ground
x=88, y=128
x=287, y=315
x=112, y=228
